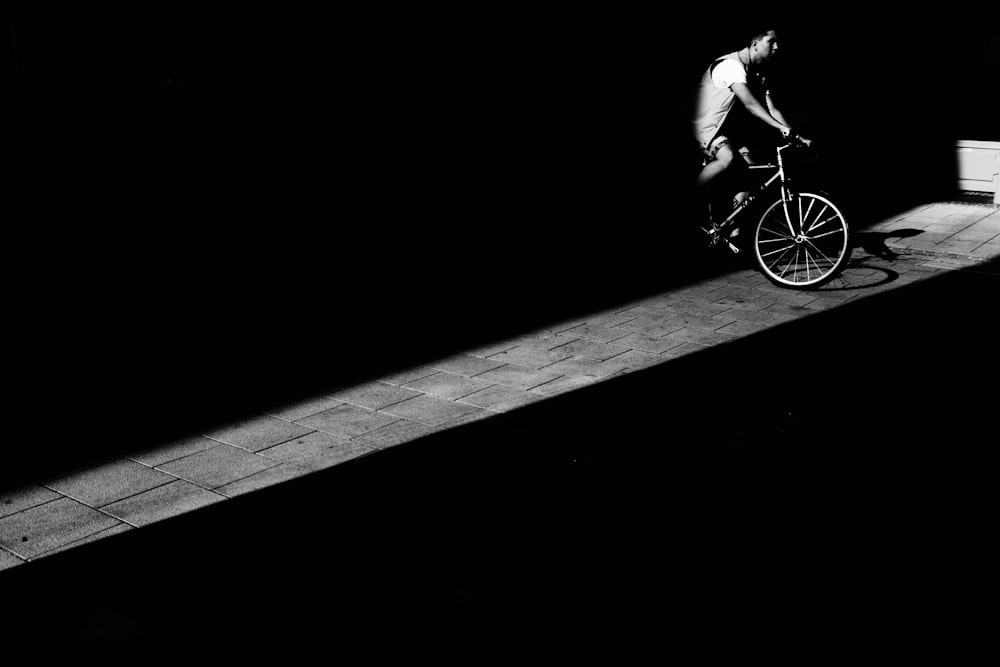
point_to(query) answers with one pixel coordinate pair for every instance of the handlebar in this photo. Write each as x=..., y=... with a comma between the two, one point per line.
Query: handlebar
x=795, y=141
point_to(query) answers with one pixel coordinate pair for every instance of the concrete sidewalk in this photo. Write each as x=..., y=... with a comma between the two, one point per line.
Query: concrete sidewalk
x=957, y=231
x=344, y=423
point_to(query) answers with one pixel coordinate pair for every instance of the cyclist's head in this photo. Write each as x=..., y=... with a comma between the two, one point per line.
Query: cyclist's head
x=764, y=44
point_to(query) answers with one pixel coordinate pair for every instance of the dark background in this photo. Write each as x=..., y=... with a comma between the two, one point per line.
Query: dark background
x=300, y=197
x=215, y=214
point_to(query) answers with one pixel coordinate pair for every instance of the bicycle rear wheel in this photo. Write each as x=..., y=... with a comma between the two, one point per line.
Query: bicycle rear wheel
x=805, y=249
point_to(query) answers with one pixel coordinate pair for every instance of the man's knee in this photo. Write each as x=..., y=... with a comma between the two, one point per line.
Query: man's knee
x=724, y=156
x=731, y=158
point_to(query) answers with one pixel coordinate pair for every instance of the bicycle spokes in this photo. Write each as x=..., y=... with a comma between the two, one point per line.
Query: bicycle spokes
x=801, y=242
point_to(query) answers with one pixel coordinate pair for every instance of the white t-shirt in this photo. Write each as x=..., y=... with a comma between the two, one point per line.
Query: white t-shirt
x=729, y=72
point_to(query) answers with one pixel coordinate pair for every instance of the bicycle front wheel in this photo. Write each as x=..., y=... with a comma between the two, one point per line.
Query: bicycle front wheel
x=805, y=248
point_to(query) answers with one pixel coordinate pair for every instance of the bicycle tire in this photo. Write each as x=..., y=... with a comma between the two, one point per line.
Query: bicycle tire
x=812, y=258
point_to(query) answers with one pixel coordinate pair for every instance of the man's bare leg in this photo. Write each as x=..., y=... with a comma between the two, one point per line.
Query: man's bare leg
x=723, y=159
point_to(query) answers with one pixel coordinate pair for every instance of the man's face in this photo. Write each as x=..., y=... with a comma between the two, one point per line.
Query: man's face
x=767, y=46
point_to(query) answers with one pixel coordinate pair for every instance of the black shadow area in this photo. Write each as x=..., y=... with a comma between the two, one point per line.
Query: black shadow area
x=219, y=216
x=819, y=480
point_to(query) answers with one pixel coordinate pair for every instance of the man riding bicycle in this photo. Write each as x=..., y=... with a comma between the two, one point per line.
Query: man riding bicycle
x=725, y=130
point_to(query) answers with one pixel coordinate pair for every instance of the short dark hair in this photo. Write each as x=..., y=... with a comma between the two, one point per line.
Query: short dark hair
x=757, y=36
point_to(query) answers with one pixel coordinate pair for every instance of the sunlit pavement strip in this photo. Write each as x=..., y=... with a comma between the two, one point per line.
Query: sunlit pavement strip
x=946, y=230
x=40, y=519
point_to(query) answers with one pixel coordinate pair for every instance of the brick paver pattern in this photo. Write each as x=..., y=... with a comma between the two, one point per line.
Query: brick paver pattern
x=289, y=441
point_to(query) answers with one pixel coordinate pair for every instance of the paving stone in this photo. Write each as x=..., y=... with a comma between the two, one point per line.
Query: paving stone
x=744, y=315
x=24, y=497
x=519, y=376
x=987, y=250
x=966, y=218
x=832, y=292
x=298, y=410
x=654, y=344
x=409, y=374
x=258, y=433
x=467, y=364
x=644, y=309
x=960, y=247
x=771, y=294
x=448, y=385
x=9, y=560
x=789, y=310
x=735, y=291
x=662, y=301
x=218, y=466
x=825, y=303
x=610, y=320
x=262, y=480
x=973, y=235
x=316, y=450
x=172, y=451
x=430, y=410
x=478, y=415
x=163, y=502
x=584, y=367
x=599, y=333
x=394, y=434
x=375, y=395
x=492, y=348
x=348, y=421
x=499, y=398
x=684, y=350
x=744, y=302
x=565, y=325
x=707, y=286
x=635, y=359
x=689, y=308
x=594, y=350
x=696, y=295
x=109, y=482
x=120, y=528
x=701, y=335
x=644, y=322
x=934, y=211
x=755, y=280
x=923, y=267
x=932, y=237
x=743, y=329
x=945, y=263
x=547, y=340
x=920, y=219
x=49, y=526
x=563, y=384
x=530, y=357
x=657, y=330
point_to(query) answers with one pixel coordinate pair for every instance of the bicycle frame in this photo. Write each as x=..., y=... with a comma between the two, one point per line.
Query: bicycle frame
x=786, y=193
x=788, y=244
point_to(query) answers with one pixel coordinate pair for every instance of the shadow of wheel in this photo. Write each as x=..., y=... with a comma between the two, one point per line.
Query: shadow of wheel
x=858, y=275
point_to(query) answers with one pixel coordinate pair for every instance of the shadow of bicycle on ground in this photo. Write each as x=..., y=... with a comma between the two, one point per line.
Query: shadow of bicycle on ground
x=875, y=243
x=860, y=275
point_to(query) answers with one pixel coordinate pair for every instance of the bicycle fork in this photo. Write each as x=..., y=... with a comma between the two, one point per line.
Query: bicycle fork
x=789, y=199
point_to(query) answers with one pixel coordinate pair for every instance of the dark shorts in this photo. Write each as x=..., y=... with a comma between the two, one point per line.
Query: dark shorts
x=722, y=140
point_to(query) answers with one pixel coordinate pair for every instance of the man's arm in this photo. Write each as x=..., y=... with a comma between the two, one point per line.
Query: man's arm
x=780, y=117
x=775, y=112
x=757, y=109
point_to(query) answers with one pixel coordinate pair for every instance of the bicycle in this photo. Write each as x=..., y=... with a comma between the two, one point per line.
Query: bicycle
x=801, y=240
